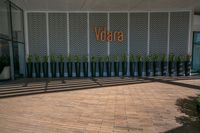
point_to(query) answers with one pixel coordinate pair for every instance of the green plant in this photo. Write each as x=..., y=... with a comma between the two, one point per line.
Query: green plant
x=77, y=58
x=30, y=58
x=171, y=57
x=139, y=58
x=116, y=58
x=93, y=59
x=100, y=59
x=37, y=58
x=85, y=58
x=61, y=58
x=69, y=58
x=155, y=57
x=180, y=58
x=148, y=58
x=45, y=58
x=124, y=58
x=106, y=58
x=188, y=57
x=164, y=58
x=132, y=58
x=53, y=58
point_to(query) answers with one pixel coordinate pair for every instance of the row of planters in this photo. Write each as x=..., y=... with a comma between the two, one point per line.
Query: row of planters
x=152, y=64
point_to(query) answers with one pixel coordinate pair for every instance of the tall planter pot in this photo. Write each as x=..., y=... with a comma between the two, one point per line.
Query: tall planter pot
x=180, y=68
x=139, y=68
x=171, y=68
x=187, y=68
x=37, y=69
x=29, y=67
x=108, y=68
x=116, y=68
x=78, y=69
x=53, y=69
x=124, y=68
x=163, y=68
x=85, y=69
x=93, y=69
x=148, y=68
x=45, y=69
x=69, y=68
x=61, y=69
x=132, y=69
x=156, y=66
x=101, y=69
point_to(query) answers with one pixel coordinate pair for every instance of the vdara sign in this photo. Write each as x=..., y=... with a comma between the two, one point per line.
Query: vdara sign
x=101, y=34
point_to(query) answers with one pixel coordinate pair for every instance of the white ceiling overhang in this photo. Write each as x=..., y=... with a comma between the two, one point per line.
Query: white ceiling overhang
x=107, y=5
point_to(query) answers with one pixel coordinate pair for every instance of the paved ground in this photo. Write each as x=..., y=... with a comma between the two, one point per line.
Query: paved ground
x=146, y=106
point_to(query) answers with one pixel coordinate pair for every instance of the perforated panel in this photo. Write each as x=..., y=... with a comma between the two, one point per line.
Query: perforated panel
x=158, y=33
x=119, y=22
x=179, y=28
x=138, y=33
x=37, y=33
x=97, y=47
x=78, y=33
x=58, y=33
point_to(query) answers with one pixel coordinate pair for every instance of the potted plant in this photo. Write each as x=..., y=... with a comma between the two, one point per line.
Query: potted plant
x=140, y=66
x=45, y=66
x=53, y=65
x=29, y=66
x=37, y=66
x=147, y=65
x=132, y=66
x=180, y=65
x=171, y=64
x=93, y=66
x=4, y=67
x=69, y=65
x=156, y=65
x=116, y=65
x=188, y=59
x=101, y=66
x=61, y=59
x=77, y=65
x=164, y=65
x=85, y=66
x=108, y=66
x=124, y=65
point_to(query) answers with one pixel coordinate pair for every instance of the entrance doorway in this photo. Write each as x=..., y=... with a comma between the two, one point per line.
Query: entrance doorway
x=196, y=51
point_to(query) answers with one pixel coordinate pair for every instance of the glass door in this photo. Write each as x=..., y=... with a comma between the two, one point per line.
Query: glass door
x=196, y=51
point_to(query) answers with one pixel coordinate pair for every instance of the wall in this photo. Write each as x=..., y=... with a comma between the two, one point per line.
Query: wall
x=196, y=23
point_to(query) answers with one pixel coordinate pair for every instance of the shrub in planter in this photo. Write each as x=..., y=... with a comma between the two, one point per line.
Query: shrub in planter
x=108, y=66
x=93, y=66
x=140, y=66
x=53, y=66
x=171, y=64
x=116, y=65
x=188, y=65
x=69, y=65
x=101, y=66
x=61, y=59
x=124, y=65
x=132, y=66
x=37, y=66
x=29, y=66
x=164, y=65
x=77, y=65
x=45, y=66
x=156, y=65
x=180, y=65
x=85, y=66
x=148, y=65
x=198, y=103
x=4, y=62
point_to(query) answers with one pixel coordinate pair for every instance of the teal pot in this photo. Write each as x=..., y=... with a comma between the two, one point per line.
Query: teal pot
x=180, y=68
x=37, y=69
x=140, y=66
x=45, y=69
x=93, y=69
x=108, y=68
x=61, y=69
x=148, y=68
x=85, y=69
x=116, y=68
x=164, y=68
x=29, y=67
x=69, y=68
x=156, y=68
x=171, y=68
x=78, y=69
x=187, y=68
x=53, y=69
x=132, y=69
x=101, y=69
x=124, y=68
